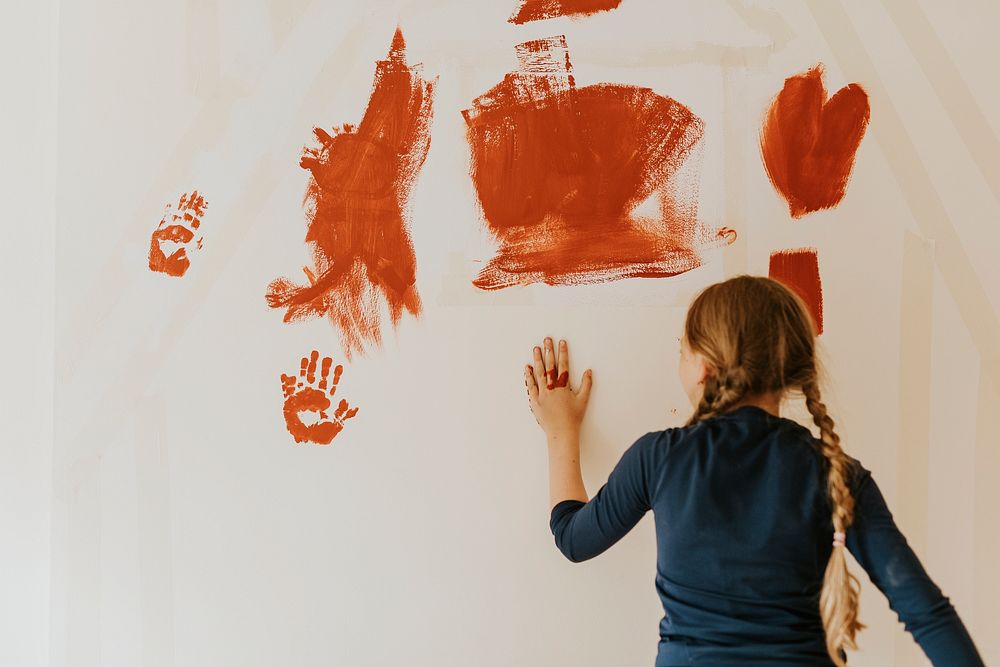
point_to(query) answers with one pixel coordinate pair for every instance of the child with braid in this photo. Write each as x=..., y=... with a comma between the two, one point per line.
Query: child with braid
x=752, y=511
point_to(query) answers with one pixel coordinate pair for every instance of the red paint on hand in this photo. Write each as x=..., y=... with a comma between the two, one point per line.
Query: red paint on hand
x=560, y=170
x=302, y=395
x=357, y=202
x=808, y=143
x=799, y=270
x=175, y=232
x=535, y=10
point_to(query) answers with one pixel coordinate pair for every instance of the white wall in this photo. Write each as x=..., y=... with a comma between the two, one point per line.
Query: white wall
x=27, y=172
x=187, y=527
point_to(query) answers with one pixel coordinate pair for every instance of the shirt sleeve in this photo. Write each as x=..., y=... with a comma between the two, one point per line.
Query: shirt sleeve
x=880, y=548
x=584, y=530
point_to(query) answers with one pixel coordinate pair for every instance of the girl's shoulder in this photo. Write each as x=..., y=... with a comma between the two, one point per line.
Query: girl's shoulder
x=857, y=472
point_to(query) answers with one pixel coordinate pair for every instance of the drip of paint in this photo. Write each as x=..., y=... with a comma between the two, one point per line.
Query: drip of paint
x=357, y=202
x=808, y=143
x=175, y=231
x=304, y=395
x=560, y=170
x=799, y=270
x=536, y=10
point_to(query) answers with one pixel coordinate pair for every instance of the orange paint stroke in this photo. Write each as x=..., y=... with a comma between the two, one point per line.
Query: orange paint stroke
x=799, y=270
x=357, y=209
x=175, y=233
x=560, y=170
x=304, y=395
x=536, y=10
x=808, y=143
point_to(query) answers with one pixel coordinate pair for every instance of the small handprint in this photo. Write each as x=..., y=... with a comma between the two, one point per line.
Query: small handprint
x=176, y=232
x=303, y=394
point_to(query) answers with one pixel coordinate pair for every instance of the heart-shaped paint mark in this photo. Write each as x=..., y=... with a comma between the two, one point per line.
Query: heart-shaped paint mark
x=808, y=143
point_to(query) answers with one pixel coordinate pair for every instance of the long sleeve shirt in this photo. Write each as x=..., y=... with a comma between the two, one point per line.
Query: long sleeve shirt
x=744, y=531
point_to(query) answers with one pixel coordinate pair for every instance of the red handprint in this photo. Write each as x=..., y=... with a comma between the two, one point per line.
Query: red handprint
x=301, y=396
x=176, y=228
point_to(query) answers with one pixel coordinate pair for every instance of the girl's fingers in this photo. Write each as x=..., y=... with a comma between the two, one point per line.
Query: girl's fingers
x=585, y=385
x=539, y=367
x=550, y=364
x=530, y=382
x=562, y=365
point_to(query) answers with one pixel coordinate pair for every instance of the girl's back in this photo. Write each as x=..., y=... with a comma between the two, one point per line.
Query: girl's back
x=743, y=525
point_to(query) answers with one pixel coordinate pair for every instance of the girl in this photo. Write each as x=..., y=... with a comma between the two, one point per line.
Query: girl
x=752, y=512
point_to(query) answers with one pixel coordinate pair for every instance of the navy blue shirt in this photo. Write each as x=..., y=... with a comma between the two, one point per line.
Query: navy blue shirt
x=744, y=533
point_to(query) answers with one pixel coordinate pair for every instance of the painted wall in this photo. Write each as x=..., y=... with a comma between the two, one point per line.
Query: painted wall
x=188, y=525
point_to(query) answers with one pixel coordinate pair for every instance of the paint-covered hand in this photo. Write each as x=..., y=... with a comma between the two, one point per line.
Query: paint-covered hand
x=557, y=407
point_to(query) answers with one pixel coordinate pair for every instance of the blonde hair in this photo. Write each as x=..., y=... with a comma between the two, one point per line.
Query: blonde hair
x=757, y=336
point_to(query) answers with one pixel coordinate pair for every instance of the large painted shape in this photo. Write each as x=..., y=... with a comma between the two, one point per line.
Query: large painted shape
x=560, y=170
x=356, y=203
x=808, y=143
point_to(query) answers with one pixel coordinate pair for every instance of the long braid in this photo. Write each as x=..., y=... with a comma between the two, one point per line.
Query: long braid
x=838, y=600
x=722, y=390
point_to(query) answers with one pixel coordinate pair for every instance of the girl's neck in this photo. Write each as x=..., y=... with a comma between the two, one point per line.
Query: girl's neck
x=770, y=401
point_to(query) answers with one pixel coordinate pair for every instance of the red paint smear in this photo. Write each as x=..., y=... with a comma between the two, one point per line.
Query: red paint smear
x=808, y=143
x=560, y=170
x=799, y=270
x=356, y=204
x=303, y=395
x=536, y=10
x=176, y=228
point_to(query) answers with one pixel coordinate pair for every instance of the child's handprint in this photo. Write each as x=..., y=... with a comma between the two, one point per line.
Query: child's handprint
x=175, y=232
x=301, y=396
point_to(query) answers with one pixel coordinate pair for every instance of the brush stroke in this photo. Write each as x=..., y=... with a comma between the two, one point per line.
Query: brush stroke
x=808, y=143
x=311, y=394
x=356, y=204
x=799, y=270
x=175, y=233
x=536, y=10
x=560, y=170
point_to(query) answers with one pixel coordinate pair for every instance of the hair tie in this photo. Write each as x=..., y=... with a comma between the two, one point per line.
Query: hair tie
x=838, y=539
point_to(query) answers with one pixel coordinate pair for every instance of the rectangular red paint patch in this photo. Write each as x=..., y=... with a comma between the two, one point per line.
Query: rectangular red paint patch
x=799, y=270
x=536, y=10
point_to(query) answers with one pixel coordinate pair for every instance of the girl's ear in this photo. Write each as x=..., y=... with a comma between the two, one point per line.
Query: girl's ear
x=704, y=369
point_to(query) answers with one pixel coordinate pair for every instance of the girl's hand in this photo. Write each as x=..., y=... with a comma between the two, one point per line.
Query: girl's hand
x=558, y=409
